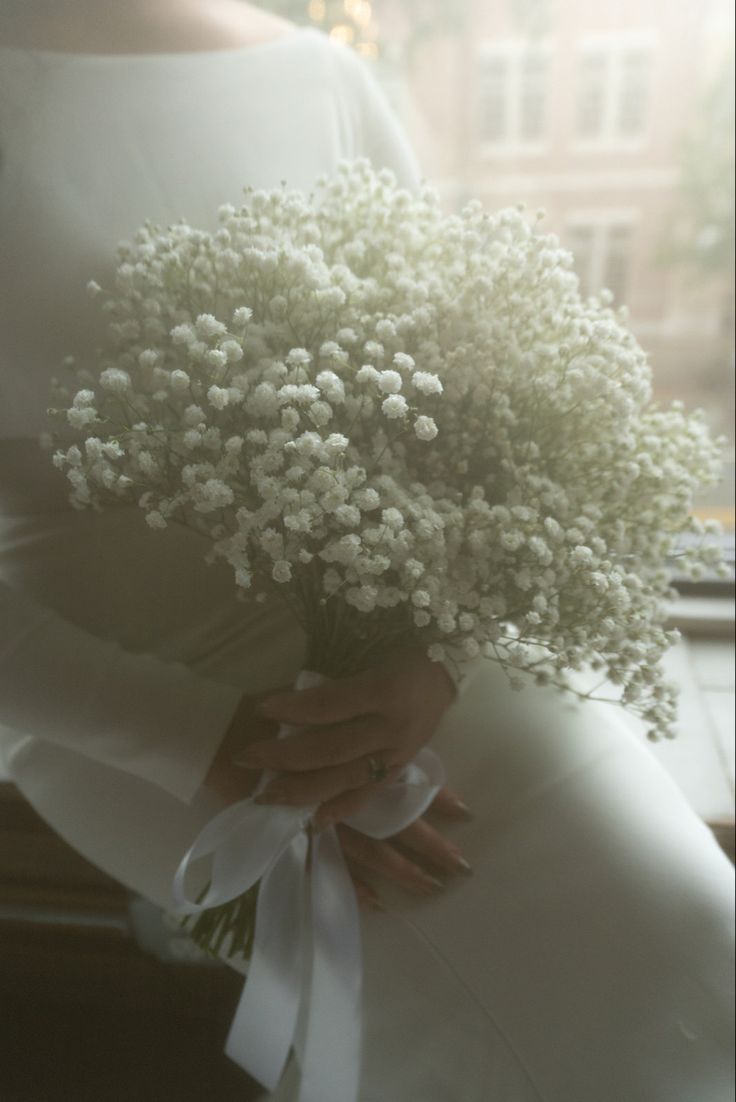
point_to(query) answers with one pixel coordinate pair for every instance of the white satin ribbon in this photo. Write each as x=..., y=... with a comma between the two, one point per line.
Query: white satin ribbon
x=307, y=933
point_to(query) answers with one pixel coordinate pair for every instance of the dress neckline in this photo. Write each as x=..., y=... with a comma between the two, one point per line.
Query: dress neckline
x=168, y=55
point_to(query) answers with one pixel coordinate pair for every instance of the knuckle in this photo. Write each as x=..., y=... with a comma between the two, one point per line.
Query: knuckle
x=391, y=690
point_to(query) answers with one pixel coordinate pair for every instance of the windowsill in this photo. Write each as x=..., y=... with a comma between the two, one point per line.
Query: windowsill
x=610, y=145
x=704, y=617
x=489, y=150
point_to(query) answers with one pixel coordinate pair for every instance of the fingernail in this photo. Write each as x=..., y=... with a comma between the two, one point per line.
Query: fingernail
x=370, y=902
x=462, y=809
x=461, y=864
x=266, y=708
x=429, y=884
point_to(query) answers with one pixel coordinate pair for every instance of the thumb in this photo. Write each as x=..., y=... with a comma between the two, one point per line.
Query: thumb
x=329, y=702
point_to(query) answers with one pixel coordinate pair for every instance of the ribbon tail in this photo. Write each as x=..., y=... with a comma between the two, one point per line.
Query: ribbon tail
x=262, y=1030
x=332, y=1054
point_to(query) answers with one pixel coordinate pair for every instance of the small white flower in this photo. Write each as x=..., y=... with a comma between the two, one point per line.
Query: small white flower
x=392, y=518
x=425, y=428
x=179, y=379
x=281, y=571
x=390, y=382
x=336, y=443
x=348, y=515
x=214, y=494
x=320, y=413
x=80, y=418
x=234, y=445
x=216, y=358
x=367, y=499
x=331, y=386
x=155, y=519
x=426, y=383
x=394, y=406
x=232, y=350
x=183, y=334
x=208, y=327
x=241, y=316
x=218, y=397
x=403, y=361
x=368, y=374
x=298, y=357
x=115, y=379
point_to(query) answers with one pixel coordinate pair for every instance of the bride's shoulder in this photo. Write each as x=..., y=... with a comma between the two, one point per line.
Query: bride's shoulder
x=250, y=25
x=166, y=27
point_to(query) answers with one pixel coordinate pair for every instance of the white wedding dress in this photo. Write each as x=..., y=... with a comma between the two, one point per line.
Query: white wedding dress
x=588, y=959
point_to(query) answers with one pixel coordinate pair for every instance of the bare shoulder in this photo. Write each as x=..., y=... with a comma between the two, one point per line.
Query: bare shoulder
x=167, y=26
x=247, y=24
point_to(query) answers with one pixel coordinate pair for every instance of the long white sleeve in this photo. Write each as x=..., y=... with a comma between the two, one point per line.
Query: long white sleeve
x=148, y=717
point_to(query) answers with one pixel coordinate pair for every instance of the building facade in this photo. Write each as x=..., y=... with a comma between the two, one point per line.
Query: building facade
x=581, y=107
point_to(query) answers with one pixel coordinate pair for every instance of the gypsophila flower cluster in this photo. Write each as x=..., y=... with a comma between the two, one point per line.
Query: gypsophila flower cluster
x=410, y=425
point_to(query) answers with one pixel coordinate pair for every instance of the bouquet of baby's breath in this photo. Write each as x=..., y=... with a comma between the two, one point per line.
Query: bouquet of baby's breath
x=408, y=426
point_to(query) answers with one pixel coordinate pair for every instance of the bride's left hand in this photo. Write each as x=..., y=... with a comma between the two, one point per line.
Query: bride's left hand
x=360, y=732
x=414, y=858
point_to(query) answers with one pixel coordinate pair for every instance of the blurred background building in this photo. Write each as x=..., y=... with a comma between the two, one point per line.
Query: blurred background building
x=616, y=117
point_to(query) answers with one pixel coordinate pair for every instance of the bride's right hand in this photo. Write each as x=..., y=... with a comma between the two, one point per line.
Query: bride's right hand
x=414, y=858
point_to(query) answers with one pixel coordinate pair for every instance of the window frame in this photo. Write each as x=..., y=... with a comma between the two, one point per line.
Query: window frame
x=513, y=51
x=616, y=45
x=601, y=220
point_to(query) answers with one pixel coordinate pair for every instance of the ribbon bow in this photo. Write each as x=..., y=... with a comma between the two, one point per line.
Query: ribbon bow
x=306, y=950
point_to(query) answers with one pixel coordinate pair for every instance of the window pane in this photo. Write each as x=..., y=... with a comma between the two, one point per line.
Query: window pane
x=533, y=96
x=617, y=261
x=593, y=73
x=494, y=78
x=634, y=98
x=580, y=240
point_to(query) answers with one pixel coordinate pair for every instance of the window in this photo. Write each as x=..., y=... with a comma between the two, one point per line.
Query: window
x=580, y=239
x=494, y=111
x=601, y=243
x=512, y=95
x=613, y=90
x=592, y=93
x=632, y=105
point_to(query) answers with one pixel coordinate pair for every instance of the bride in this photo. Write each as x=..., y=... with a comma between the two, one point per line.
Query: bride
x=586, y=959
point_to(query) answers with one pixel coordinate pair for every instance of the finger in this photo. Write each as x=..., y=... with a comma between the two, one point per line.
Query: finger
x=317, y=785
x=367, y=898
x=343, y=806
x=327, y=703
x=449, y=804
x=422, y=839
x=382, y=859
x=319, y=749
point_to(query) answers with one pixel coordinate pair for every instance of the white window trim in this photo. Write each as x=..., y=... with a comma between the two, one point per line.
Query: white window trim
x=615, y=43
x=511, y=48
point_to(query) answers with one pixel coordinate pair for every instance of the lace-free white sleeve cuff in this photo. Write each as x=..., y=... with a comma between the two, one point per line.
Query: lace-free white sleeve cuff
x=155, y=719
